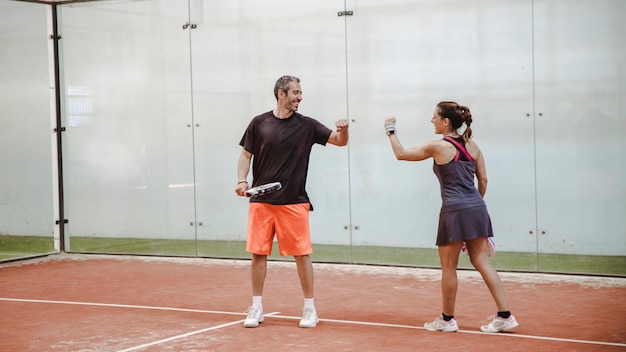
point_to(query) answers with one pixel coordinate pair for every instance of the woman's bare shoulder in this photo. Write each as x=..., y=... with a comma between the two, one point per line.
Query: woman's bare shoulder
x=473, y=148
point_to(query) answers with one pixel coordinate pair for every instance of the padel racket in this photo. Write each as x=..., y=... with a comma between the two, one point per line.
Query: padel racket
x=264, y=189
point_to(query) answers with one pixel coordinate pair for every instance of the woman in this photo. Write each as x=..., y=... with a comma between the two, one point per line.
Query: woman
x=463, y=217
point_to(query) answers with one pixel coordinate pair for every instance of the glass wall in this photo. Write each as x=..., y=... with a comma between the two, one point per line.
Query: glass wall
x=157, y=94
x=239, y=49
x=404, y=58
x=27, y=153
x=129, y=160
x=580, y=123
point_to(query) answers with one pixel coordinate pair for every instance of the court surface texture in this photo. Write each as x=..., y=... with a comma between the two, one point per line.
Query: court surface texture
x=78, y=302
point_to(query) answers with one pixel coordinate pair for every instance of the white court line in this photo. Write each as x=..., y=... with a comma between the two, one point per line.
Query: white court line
x=532, y=337
x=119, y=306
x=185, y=335
x=274, y=315
x=180, y=336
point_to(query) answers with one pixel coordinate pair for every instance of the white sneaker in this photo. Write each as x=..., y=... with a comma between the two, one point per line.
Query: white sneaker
x=309, y=318
x=255, y=317
x=498, y=324
x=439, y=324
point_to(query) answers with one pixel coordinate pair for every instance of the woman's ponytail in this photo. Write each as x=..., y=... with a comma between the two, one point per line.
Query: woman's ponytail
x=466, y=116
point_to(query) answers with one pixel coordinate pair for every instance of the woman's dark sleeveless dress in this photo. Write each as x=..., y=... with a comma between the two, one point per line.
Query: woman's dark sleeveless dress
x=463, y=215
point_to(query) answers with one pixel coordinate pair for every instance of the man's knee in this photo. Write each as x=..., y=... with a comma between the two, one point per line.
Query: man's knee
x=258, y=258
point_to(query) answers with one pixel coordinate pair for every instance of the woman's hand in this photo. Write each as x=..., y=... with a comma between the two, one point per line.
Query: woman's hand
x=390, y=124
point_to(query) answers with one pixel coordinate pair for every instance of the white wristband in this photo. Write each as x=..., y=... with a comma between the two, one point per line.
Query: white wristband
x=390, y=127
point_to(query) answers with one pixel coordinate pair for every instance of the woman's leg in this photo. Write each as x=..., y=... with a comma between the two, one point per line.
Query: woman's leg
x=478, y=250
x=449, y=258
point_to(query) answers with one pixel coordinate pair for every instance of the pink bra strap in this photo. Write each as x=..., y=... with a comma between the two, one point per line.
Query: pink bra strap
x=460, y=147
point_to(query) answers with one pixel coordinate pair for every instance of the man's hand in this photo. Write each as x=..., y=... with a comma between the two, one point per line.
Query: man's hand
x=241, y=188
x=342, y=125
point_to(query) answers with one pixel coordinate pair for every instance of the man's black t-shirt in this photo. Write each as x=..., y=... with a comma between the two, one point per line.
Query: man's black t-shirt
x=281, y=150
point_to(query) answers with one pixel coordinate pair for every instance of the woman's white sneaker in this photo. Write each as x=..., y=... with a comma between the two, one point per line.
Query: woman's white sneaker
x=499, y=324
x=439, y=324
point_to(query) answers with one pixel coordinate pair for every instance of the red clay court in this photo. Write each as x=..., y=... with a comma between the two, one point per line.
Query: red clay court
x=73, y=302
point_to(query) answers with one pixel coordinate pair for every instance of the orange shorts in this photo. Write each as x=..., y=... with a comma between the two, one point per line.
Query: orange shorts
x=290, y=224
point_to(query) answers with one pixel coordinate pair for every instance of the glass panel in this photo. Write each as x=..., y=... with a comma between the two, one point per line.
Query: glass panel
x=128, y=146
x=150, y=168
x=403, y=58
x=580, y=85
x=26, y=139
x=239, y=50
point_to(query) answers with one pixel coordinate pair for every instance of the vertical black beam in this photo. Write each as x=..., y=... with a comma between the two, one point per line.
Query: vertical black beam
x=59, y=127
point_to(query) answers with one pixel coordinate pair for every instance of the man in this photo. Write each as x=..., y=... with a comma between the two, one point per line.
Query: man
x=280, y=142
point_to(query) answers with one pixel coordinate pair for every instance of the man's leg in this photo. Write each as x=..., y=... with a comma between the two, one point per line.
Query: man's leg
x=258, y=269
x=305, y=273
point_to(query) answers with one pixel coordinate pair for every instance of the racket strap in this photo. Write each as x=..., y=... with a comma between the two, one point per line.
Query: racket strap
x=460, y=147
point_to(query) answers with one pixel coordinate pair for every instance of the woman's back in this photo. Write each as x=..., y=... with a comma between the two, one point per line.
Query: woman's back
x=456, y=178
